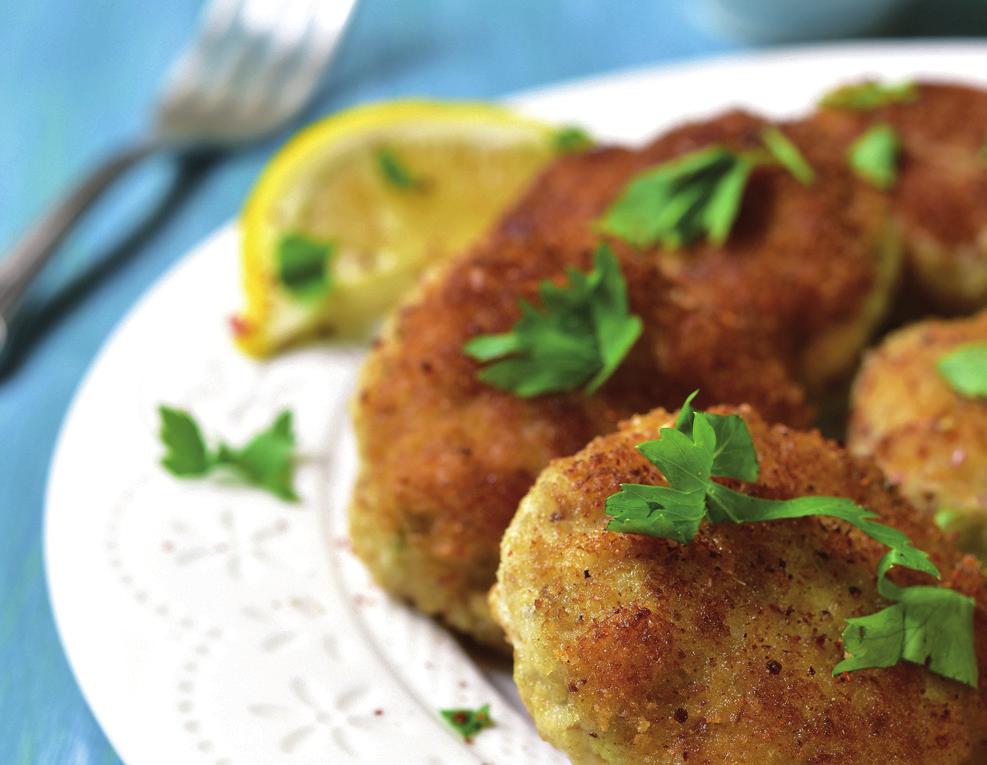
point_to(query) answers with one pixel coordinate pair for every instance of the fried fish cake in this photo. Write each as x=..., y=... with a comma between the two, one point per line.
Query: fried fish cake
x=774, y=314
x=940, y=198
x=929, y=439
x=637, y=649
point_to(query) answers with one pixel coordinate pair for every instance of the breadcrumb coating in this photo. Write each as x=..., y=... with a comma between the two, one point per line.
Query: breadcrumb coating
x=927, y=438
x=771, y=318
x=635, y=649
x=940, y=199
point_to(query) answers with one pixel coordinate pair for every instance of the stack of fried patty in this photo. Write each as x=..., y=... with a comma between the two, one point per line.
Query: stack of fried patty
x=776, y=317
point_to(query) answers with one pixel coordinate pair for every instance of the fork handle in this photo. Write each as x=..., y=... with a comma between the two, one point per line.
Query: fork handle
x=35, y=247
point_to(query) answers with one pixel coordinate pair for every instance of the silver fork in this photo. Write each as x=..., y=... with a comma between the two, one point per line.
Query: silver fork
x=252, y=66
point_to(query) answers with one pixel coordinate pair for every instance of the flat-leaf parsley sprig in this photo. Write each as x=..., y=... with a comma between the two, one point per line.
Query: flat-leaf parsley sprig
x=697, y=195
x=303, y=265
x=865, y=96
x=931, y=626
x=267, y=461
x=681, y=201
x=393, y=170
x=874, y=156
x=787, y=154
x=571, y=139
x=965, y=369
x=578, y=339
x=468, y=722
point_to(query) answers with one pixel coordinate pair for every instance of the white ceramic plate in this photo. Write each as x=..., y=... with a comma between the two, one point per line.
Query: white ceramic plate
x=212, y=624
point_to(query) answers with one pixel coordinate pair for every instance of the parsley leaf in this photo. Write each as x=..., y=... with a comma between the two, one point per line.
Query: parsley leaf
x=468, y=722
x=571, y=138
x=944, y=518
x=303, y=265
x=677, y=510
x=658, y=511
x=703, y=445
x=788, y=155
x=931, y=626
x=965, y=368
x=733, y=455
x=678, y=202
x=185, y=453
x=865, y=96
x=579, y=339
x=267, y=461
x=395, y=172
x=874, y=156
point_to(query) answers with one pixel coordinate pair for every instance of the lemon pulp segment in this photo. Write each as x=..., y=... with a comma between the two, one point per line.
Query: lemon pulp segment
x=468, y=161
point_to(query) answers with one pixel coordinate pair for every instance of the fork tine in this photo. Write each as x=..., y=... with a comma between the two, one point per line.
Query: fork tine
x=253, y=64
x=216, y=20
x=286, y=38
x=327, y=26
x=243, y=43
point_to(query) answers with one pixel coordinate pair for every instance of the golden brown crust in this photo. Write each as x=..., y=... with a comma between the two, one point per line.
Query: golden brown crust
x=632, y=649
x=445, y=459
x=927, y=438
x=940, y=199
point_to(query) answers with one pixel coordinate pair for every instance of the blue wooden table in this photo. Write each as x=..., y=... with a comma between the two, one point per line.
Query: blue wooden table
x=76, y=79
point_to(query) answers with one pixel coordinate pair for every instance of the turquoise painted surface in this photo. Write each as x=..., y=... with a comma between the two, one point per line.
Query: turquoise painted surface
x=76, y=79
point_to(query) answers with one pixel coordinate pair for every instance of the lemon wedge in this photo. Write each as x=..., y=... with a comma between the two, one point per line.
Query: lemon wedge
x=347, y=215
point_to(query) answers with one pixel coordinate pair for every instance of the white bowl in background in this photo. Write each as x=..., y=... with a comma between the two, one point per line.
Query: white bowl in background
x=799, y=19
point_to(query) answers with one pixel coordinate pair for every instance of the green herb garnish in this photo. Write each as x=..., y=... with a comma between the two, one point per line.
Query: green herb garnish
x=944, y=518
x=571, y=139
x=928, y=626
x=395, y=172
x=578, y=340
x=965, y=368
x=874, y=156
x=865, y=96
x=702, y=446
x=303, y=265
x=788, y=155
x=267, y=461
x=468, y=722
x=678, y=202
x=186, y=449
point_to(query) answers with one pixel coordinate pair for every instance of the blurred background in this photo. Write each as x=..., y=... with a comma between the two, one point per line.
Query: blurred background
x=77, y=80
